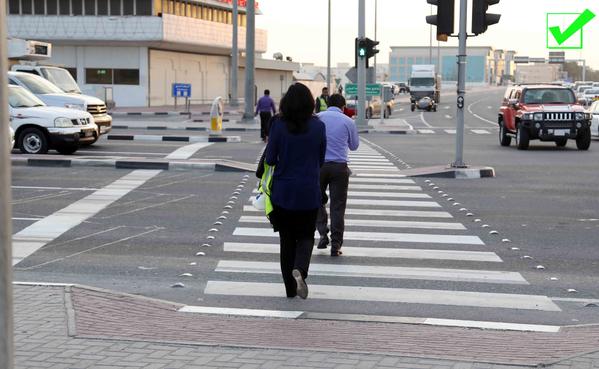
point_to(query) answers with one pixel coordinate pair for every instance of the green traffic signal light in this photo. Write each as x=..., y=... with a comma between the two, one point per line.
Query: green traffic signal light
x=362, y=52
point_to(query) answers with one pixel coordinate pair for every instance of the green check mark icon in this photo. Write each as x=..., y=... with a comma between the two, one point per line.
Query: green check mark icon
x=576, y=26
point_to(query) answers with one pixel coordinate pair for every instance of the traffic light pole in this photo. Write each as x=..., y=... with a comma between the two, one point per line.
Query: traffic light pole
x=235, y=56
x=361, y=111
x=250, y=60
x=463, y=35
x=6, y=306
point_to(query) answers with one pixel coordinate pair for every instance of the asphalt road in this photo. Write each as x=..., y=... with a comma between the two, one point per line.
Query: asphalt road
x=543, y=200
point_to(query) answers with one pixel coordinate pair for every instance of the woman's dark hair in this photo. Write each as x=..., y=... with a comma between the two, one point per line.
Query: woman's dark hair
x=337, y=100
x=296, y=107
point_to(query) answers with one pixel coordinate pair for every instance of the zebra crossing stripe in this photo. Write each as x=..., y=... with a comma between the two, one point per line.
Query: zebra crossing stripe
x=375, y=163
x=380, y=180
x=450, y=131
x=481, y=131
x=374, y=169
x=376, y=252
x=383, y=212
x=376, y=236
x=386, y=187
x=366, y=271
x=396, y=203
x=426, y=131
x=375, y=223
x=392, y=295
x=376, y=175
x=388, y=194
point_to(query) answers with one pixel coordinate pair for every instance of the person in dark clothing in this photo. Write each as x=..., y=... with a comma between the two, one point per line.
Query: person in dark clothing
x=296, y=147
x=266, y=109
x=322, y=102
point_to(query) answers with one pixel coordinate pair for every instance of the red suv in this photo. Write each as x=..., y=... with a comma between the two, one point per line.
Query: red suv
x=543, y=112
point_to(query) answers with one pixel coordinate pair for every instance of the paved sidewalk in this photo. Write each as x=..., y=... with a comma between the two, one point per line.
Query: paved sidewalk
x=74, y=327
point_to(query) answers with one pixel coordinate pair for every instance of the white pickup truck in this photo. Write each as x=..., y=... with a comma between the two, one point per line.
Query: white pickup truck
x=70, y=94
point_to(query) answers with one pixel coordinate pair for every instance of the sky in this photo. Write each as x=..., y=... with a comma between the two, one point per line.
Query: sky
x=298, y=28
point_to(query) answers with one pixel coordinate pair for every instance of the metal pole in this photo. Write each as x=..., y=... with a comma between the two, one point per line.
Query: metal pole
x=376, y=29
x=430, y=40
x=459, y=152
x=361, y=119
x=6, y=307
x=235, y=55
x=250, y=61
x=584, y=70
x=329, y=51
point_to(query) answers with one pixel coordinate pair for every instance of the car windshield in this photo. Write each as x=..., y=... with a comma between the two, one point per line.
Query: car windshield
x=424, y=82
x=19, y=97
x=583, y=89
x=61, y=78
x=591, y=92
x=38, y=85
x=548, y=96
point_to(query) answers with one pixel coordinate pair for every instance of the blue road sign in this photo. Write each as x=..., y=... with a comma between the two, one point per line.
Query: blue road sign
x=181, y=90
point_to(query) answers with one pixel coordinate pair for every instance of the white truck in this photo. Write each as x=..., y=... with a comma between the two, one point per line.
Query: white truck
x=425, y=87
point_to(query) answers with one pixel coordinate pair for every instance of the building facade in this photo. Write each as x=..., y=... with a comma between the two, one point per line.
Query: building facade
x=482, y=66
x=139, y=48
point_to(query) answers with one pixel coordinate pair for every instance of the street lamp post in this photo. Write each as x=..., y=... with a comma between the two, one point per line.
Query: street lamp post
x=235, y=55
x=329, y=51
x=250, y=60
x=459, y=155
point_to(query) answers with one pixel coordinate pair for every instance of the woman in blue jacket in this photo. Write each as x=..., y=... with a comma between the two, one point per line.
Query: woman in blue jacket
x=296, y=147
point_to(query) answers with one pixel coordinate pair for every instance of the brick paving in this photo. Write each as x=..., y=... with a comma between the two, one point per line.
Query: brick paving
x=75, y=327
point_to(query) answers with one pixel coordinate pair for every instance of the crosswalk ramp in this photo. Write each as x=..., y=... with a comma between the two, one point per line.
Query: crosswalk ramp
x=404, y=256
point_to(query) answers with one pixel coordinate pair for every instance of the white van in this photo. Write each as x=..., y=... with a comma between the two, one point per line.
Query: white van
x=53, y=95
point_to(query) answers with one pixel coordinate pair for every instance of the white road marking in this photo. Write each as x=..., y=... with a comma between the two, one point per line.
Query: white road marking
x=478, y=116
x=415, y=204
x=27, y=219
x=55, y=188
x=481, y=131
x=367, y=271
x=385, y=187
x=360, y=179
x=374, y=223
x=37, y=235
x=424, y=121
x=493, y=325
x=377, y=252
x=370, y=163
x=426, y=131
x=187, y=151
x=377, y=175
x=447, y=116
x=376, y=236
x=241, y=312
x=450, y=131
x=382, y=212
x=388, y=194
x=394, y=295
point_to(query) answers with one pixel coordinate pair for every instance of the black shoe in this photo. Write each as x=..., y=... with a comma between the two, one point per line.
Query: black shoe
x=322, y=244
x=302, y=288
x=336, y=252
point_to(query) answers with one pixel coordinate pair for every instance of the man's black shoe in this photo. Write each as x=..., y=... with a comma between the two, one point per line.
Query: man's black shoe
x=322, y=244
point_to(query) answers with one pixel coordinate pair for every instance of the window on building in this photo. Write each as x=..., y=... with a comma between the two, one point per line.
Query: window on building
x=64, y=7
x=26, y=6
x=77, y=7
x=98, y=76
x=39, y=8
x=90, y=7
x=143, y=7
x=126, y=76
x=115, y=7
x=402, y=60
x=13, y=6
x=102, y=7
x=128, y=7
x=52, y=7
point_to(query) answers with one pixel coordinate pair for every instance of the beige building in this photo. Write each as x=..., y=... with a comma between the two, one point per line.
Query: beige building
x=538, y=73
x=140, y=48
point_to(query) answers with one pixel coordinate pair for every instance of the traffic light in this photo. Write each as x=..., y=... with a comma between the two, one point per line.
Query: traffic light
x=365, y=48
x=481, y=20
x=360, y=46
x=444, y=18
x=370, y=47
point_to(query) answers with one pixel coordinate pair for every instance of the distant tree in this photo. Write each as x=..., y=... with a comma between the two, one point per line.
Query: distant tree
x=575, y=72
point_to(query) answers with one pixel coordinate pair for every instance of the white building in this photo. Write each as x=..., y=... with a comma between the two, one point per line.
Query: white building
x=538, y=73
x=140, y=48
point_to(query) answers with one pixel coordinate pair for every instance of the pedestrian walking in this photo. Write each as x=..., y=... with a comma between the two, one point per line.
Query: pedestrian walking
x=342, y=136
x=322, y=101
x=296, y=147
x=266, y=109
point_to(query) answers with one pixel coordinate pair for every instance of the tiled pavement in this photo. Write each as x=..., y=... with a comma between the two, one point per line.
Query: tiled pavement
x=75, y=327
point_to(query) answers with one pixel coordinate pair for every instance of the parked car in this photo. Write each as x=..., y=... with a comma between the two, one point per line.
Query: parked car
x=39, y=128
x=591, y=95
x=52, y=95
x=12, y=137
x=373, y=107
x=543, y=112
x=594, y=110
x=581, y=90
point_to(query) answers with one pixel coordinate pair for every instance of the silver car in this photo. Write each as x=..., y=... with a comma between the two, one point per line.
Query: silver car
x=594, y=109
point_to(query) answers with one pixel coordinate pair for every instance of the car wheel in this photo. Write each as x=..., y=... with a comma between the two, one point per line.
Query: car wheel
x=413, y=107
x=504, y=139
x=522, y=138
x=561, y=142
x=435, y=108
x=33, y=141
x=583, y=140
x=67, y=149
x=387, y=113
x=369, y=113
x=85, y=144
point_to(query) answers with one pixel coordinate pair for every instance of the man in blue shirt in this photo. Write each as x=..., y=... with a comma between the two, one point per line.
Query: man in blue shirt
x=342, y=136
x=266, y=109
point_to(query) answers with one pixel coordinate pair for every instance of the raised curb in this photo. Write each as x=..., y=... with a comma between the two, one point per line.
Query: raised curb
x=449, y=172
x=217, y=166
x=174, y=138
x=164, y=113
x=186, y=128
